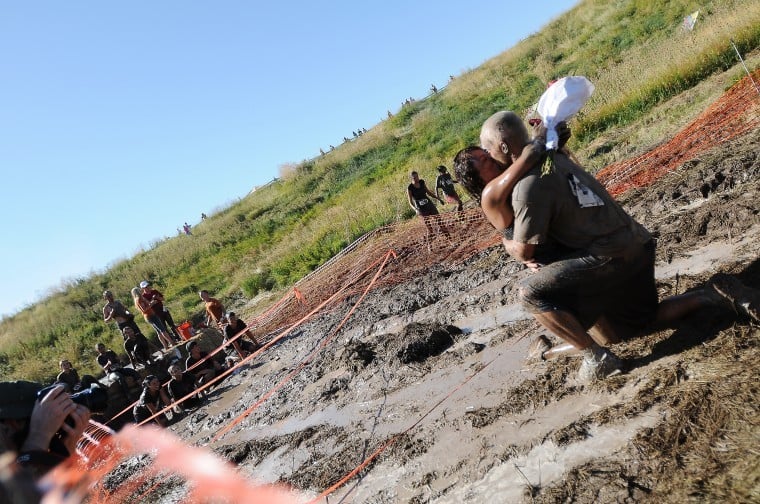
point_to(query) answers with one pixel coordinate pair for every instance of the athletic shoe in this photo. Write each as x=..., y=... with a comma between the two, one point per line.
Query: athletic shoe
x=598, y=363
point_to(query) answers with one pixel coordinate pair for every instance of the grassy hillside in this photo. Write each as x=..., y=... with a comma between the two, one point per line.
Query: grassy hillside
x=635, y=51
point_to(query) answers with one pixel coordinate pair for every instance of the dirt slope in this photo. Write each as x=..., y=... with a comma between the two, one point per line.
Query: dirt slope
x=436, y=366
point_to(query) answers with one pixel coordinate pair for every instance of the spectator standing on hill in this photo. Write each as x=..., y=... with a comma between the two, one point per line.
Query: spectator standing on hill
x=600, y=292
x=111, y=364
x=152, y=400
x=214, y=309
x=149, y=314
x=445, y=183
x=181, y=385
x=186, y=229
x=114, y=310
x=156, y=300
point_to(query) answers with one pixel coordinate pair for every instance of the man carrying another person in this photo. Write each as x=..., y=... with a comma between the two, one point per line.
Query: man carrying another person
x=600, y=292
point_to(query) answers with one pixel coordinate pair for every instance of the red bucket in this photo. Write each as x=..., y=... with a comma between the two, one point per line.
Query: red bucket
x=185, y=330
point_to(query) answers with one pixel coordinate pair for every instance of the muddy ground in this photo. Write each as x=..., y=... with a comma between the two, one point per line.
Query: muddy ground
x=437, y=367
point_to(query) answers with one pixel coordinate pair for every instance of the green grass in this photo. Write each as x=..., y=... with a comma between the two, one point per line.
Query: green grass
x=635, y=52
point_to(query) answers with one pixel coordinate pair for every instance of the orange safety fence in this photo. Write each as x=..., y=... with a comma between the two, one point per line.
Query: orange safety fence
x=396, y=252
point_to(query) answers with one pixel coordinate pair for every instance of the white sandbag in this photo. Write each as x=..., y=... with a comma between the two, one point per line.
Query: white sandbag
x=560, y=102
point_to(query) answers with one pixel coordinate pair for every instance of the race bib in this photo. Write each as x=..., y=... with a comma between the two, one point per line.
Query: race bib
x=585, y=196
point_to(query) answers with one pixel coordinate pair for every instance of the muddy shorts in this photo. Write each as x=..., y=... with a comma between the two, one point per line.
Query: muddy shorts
x=590, y=286
x=427, y=209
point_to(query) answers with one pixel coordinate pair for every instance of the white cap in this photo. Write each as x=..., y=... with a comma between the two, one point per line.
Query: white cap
x=144, y=284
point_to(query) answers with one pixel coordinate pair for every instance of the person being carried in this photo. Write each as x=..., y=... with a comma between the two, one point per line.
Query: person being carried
x=444, y=182
x=156, y=301
x=603, y=289
x=152, y=400
x=150, y=316
x=110, y=363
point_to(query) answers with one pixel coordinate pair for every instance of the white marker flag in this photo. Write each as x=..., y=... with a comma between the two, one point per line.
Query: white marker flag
x=560, y=102
x=690, y=20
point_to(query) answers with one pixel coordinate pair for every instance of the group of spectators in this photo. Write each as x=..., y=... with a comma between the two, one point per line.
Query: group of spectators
x=198, y=369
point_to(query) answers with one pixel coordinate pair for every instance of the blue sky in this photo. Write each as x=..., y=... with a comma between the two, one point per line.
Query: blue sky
x=119, y=121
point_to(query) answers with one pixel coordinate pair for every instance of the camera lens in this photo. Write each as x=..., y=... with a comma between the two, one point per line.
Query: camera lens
x=94, y=399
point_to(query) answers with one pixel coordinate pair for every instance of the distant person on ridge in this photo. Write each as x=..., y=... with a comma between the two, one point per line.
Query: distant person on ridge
x=445, y=183
x=186, y=228
x=156, y=300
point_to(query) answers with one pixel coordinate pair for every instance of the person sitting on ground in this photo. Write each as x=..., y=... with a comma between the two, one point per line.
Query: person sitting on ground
x=207, y=370
x=149, y=314
x=445, y=183
x=36, y=434
x=156, y=301
x=114, y=310
x=152, y=400
x=234, y=327
x=111, y=364
x=214, y=309
x=68, y=376
x=137, y=348
x=181, y=385
x=603, y=290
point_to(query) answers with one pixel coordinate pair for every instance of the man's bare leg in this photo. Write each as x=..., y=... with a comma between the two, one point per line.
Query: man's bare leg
x=564, y=325
x=603, y=333
x=598, y=362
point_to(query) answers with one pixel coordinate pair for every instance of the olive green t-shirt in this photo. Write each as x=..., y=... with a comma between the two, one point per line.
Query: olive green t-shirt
x=546, y=208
